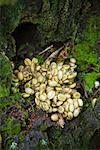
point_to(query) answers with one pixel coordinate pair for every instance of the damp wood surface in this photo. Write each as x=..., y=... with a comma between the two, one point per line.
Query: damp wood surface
x=37, y=29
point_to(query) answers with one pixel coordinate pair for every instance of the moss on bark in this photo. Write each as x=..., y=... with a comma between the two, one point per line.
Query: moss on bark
x=55, y=20
x=5, y=75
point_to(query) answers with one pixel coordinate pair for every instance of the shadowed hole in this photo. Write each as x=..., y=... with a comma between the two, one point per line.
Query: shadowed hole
x=27, y=40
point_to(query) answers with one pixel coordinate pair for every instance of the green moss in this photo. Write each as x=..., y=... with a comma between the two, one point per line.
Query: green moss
x=93, y=33
x=89, y=80
x=7, y=2
x=85, y=52
x=4, y=91
x=85, y=55
x=40, y=58
x=12, y=127
x=11, y=19
x=5, y=75
x=8, y=101
x=55, y=136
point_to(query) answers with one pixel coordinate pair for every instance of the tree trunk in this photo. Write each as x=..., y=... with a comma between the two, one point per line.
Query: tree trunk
x=26, y=28
x=40, y=23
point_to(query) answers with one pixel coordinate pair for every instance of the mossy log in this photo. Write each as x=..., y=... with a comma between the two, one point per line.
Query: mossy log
x=33, y=25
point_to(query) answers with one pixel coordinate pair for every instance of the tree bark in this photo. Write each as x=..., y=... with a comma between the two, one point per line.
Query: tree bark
x=53, y=21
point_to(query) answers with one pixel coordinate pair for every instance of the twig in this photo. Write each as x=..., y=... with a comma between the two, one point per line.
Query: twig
x=96, y=92
x=46, y=49
x=55, y=53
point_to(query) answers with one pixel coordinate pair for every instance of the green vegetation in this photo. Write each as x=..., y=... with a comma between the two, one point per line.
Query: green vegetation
x=7, y=2
x=85, y=53
x=9, y=101
x=40, y=58
x=56, y=21
x=89, y=80
x=5, y=75
x=12, y=127
x=85, y=56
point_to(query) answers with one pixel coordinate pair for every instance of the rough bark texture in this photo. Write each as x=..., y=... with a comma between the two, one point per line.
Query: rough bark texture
x=26, y=27
x=52, y=20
